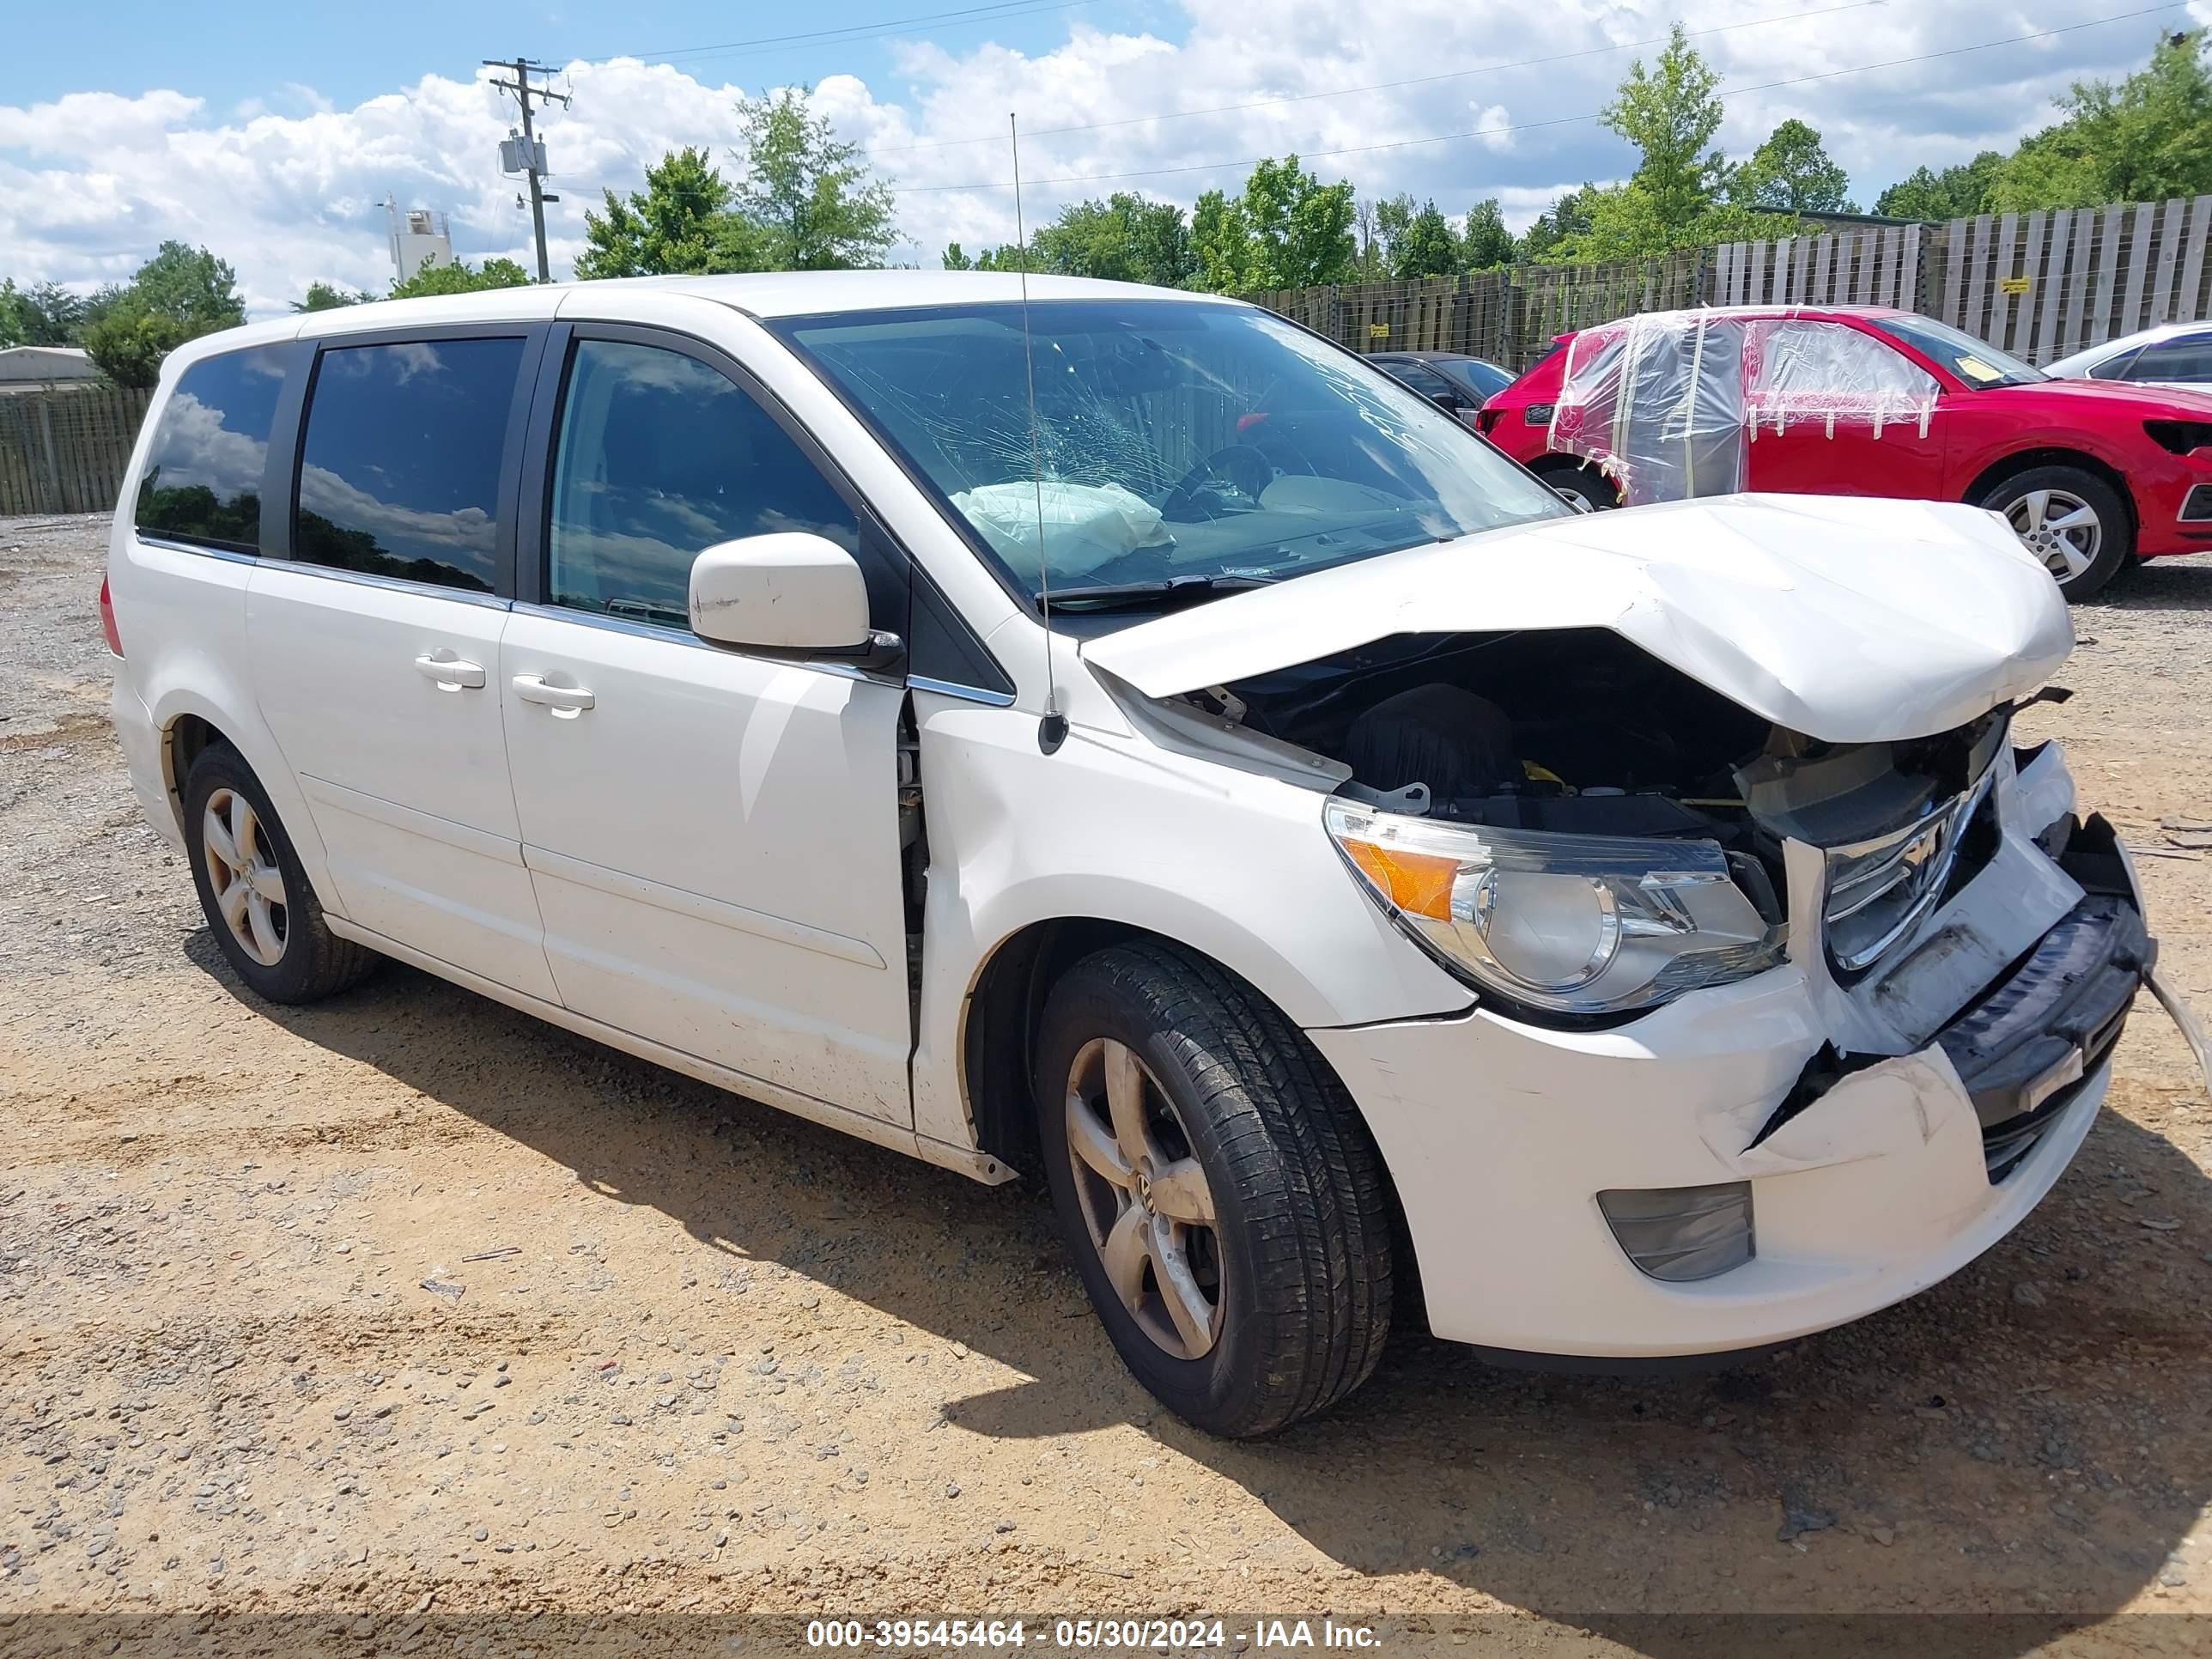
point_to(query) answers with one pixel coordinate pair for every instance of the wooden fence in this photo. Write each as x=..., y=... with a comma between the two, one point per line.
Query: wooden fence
x=2039, y=285
x=66, y=450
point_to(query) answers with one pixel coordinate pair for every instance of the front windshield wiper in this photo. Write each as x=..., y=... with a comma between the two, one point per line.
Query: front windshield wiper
x=1151, y=595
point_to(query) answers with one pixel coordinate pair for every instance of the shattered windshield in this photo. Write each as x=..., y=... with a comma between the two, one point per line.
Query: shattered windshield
x=1179, y=447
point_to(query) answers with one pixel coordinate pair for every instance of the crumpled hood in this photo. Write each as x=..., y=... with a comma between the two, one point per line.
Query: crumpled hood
x=1849, y=620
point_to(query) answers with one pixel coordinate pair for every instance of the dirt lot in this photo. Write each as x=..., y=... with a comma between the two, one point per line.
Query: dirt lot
x=688, y=1354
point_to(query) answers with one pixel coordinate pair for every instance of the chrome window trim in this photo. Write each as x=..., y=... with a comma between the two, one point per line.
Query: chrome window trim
x=173, y=546
x=965, y=693
x=684, y=637
x=398, y=584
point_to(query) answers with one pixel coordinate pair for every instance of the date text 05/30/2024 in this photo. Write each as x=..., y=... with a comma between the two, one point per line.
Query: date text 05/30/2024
x=1085, y=1635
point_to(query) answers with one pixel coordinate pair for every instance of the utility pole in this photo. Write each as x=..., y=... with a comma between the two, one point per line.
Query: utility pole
x=532, y=153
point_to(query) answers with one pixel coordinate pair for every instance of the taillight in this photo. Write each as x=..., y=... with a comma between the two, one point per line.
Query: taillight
x=107, y=619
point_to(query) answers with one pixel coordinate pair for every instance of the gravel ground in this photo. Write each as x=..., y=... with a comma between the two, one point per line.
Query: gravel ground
x=686, y=1354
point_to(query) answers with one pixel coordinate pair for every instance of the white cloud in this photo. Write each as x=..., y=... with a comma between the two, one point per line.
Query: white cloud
x=288, y=188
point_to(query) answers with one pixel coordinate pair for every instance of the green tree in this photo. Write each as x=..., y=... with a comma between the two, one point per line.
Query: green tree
x=954, y=260
x=681, y=223
x=1485, y=244
x=1297, y=229
x=1670, y=114
x=43, y=314
x=190, y=284
x=1426, y=247
x=808, y=195
x=2146, y=138
x=129, y=344
x=1956, y=192
x=326, y=296
x=1568, y=218
x=458, y=278
x=1380, y=224
x=1123, y=239
x=176, y=296
x=1791, y=173
x=1221, y=239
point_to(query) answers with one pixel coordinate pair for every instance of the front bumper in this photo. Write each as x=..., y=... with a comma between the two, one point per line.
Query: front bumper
x=1870, y=1180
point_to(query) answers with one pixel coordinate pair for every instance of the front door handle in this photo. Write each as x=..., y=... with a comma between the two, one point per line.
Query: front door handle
x=565, y=700
x=450, y=672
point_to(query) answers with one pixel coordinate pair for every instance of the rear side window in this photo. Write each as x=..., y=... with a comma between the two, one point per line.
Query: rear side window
x=2188, y=359
x=661, y=457
x=400, y=467
x=1424, y=380
x=202, y=479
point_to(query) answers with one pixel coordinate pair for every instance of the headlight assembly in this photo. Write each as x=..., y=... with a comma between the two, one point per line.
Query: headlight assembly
x=1578, y=924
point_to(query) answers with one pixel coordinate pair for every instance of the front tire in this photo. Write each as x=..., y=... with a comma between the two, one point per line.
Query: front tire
x=264, y=916
x=1223, y=1204
x=2073, y=521
x=1579, y=484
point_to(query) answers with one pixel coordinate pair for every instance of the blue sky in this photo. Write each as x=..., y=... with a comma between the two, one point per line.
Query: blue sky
x=273, y=134
x=351, y=53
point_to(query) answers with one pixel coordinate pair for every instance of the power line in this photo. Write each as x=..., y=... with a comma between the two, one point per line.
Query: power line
x=1003, y=10
x=1554, y=121
x=1385, y=85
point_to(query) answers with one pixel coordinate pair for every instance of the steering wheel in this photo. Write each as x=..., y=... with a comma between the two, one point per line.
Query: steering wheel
x=1241, y=467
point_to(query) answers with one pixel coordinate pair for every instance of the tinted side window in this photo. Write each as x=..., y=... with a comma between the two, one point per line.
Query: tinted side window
x=1425, y=380
x=2116, y=368
x=660, y=456
x=400, y=465
x=2189, y=359
x=202, y=478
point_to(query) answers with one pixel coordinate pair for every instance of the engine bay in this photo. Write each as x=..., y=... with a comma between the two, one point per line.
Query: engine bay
x=1581, y=731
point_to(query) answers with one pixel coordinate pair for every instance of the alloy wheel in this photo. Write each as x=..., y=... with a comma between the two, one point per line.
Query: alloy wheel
x=1146, y=1201
x=243, y=875
x=2061, y=529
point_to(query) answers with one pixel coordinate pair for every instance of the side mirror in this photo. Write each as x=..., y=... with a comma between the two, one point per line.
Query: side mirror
x=788, y=591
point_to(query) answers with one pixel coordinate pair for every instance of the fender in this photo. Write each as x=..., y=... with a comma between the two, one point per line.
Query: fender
x=170, y=696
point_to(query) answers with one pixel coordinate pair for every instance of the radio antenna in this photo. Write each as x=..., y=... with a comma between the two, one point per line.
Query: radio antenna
x=1052, y=730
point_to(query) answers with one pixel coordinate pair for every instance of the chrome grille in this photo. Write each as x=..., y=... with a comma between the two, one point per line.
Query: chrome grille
x=1878, y=891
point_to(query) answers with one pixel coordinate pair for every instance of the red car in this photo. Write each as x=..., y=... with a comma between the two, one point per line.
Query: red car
x=1865, y=402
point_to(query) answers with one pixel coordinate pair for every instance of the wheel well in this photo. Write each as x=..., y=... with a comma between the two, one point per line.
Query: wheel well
x=998, y=1047
x=2027, y=460
x=1545, y=465
x=187, y=738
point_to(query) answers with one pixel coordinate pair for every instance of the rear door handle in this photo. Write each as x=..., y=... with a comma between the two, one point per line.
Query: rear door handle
x=570, y=700
x=451, y=673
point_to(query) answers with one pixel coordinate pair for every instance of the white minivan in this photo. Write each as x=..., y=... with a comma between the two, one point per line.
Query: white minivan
x=1116, y=739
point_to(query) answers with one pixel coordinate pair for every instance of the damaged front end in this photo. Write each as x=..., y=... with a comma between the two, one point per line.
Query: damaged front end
x=1584, y=835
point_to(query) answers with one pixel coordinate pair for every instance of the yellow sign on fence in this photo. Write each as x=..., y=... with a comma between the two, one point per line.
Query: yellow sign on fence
x=2014, y=284
x=1378, y=330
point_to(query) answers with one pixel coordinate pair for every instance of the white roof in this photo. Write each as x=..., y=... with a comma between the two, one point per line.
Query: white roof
x=796, y=293
x=30, y=363
x=760, y=294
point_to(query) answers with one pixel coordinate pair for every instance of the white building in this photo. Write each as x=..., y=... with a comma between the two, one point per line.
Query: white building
x=40, y=369
x=419, y=238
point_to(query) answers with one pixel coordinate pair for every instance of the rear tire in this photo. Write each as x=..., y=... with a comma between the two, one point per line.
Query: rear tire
x=1578, y=482
x=1234, y=1232
x=2073, y=522
x=264, y=916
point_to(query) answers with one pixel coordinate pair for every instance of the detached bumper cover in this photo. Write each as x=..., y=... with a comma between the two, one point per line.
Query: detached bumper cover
x=2024, y=1052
